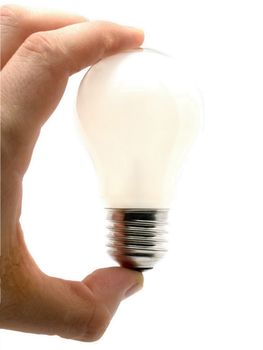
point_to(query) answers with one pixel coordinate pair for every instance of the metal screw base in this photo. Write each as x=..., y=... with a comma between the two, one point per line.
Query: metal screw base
x=136, y=238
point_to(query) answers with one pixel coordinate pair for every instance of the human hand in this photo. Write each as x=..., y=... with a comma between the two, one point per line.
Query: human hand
x=39, y=53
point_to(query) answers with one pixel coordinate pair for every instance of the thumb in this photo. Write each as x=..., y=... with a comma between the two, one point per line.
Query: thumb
x=108, y=287
x=112, y=285
x=103, y=291
x=38, y=303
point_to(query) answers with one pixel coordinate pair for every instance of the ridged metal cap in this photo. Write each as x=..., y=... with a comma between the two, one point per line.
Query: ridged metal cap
x=137, y=236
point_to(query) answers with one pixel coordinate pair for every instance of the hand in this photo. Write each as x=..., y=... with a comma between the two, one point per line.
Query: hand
x=39, y=53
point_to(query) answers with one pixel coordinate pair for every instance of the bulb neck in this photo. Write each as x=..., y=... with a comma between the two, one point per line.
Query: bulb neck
x=137, y=236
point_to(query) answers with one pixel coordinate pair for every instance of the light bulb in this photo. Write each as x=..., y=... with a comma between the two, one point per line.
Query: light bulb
x=140, y=114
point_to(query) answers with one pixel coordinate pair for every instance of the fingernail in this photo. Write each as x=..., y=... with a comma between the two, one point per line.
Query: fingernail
x=135, y=287
x=138, y=30
x=135, y=28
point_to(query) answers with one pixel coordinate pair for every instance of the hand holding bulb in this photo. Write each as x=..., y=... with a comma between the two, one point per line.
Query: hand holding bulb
x=39, y=51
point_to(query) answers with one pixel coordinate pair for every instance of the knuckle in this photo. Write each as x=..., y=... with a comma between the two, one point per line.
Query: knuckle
x=109, y=38
x=46, y=50
x=10, y=15
x=38, y=43
x=97, y=324
x=111, y=42
x=106, y=36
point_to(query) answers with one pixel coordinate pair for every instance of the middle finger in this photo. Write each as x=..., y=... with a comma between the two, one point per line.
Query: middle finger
x=17, y=23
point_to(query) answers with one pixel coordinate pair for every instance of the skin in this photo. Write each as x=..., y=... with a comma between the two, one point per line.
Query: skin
x=39, y=52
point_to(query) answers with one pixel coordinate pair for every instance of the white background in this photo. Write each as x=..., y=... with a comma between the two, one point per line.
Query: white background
x=207, y=292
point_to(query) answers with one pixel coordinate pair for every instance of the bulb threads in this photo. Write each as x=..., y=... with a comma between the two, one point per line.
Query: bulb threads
x=137, y=236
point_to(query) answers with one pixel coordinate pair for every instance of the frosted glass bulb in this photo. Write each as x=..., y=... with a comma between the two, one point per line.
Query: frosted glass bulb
x=139, y=114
